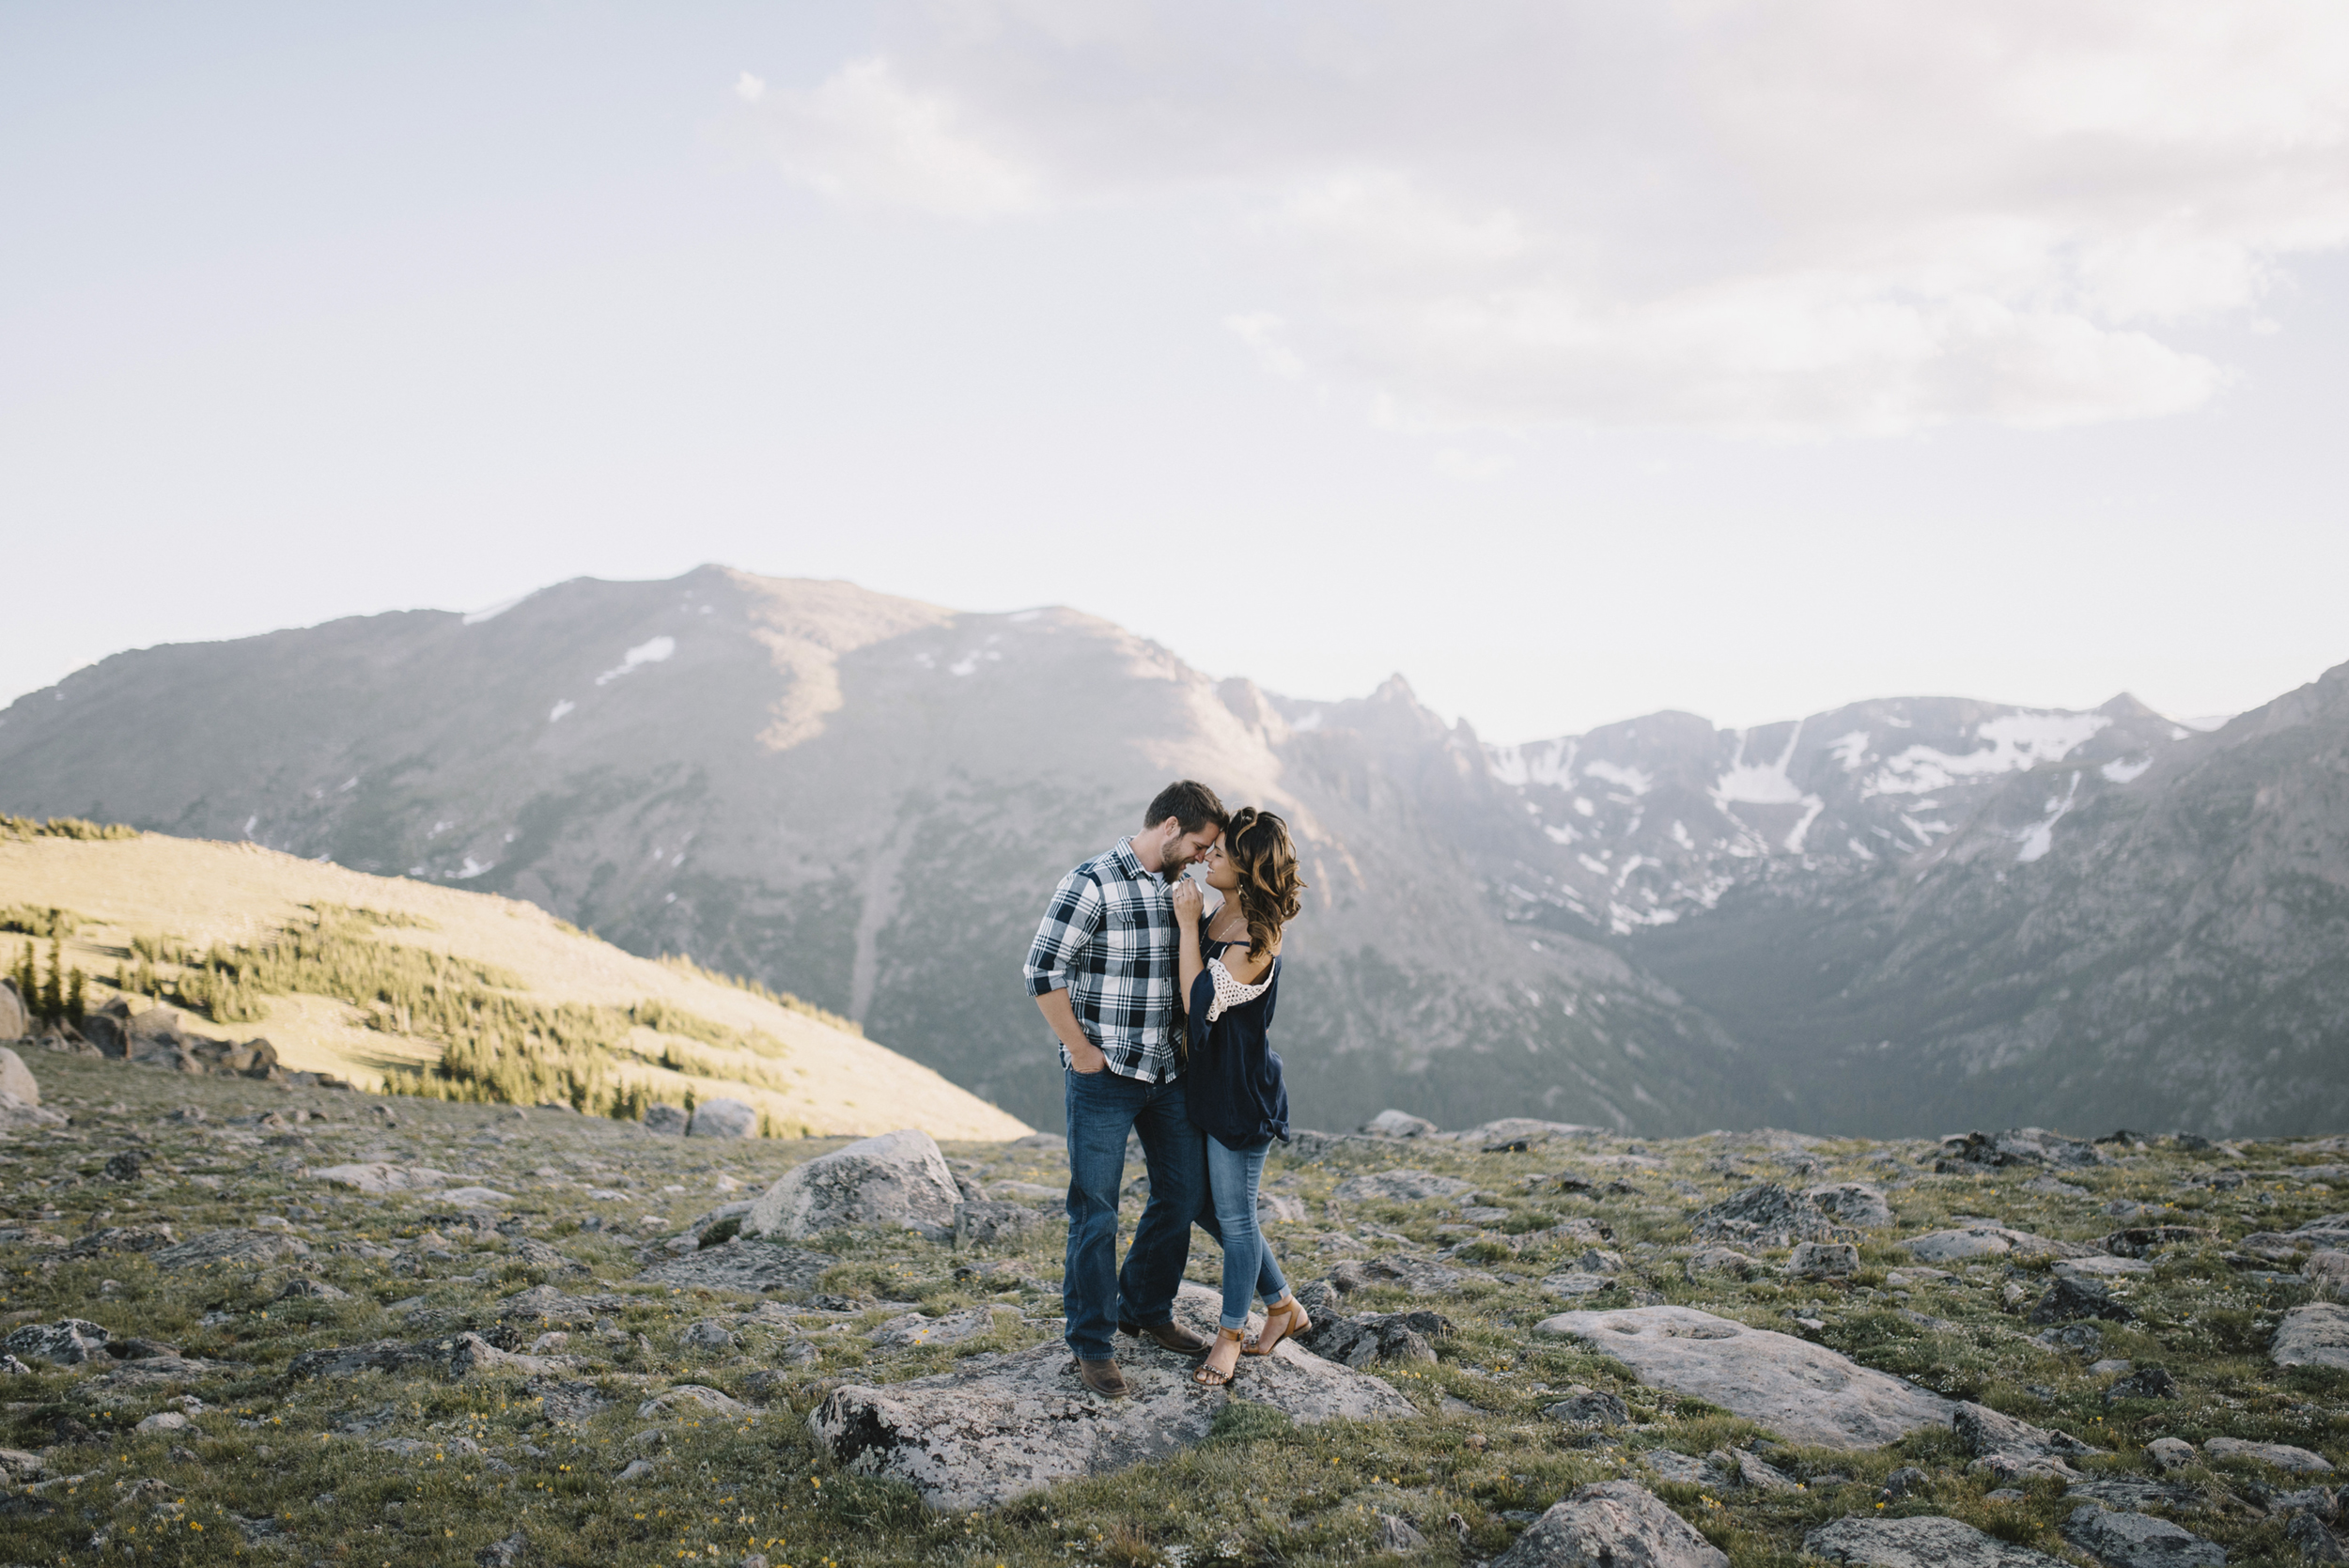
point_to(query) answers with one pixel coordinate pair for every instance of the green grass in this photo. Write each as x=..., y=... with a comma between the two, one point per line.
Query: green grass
x=1261, y=1490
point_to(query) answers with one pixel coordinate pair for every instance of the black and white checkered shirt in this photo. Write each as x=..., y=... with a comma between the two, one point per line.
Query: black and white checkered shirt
x=1110, y=940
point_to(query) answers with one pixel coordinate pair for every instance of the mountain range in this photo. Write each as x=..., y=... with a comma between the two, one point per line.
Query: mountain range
x=1904, y=916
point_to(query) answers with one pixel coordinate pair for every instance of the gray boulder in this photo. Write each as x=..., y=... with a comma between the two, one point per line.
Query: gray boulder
x=2017, y=1146
x=668, y=1119
x=1000, y=1426
x=1376, y=1337
x=2139, y=1541
x=2283, y=1456
x=2011, y=1449
x=1398, y=1124
x=1852, y=1203
x=1400, y=1186
x=1823, y=1260
x=723, y=1119
x=897, y=1181
x=1586, y=1406
x=16, y=1080
x=2069, y=1300
x=1612, y=1524
x=1925, y=1542
x=66, y=1342
x=16, y=1019
x=1765, y=1216
x=229, y=1250
x=1986, y=1238
x=2316, y=1335
x=1805, y=1392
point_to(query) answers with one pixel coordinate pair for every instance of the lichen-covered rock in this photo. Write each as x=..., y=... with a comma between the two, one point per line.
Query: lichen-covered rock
x=1766, y=1216
x=2139, y=1541
x=1000, y=1426
x=897, y=1181
x=1612, y=1524
x=1805, y=1392
x=1400, y=1186
x=2013, y=1451
x=980, y=1222
x=1925, y=1542
x=2068, y=1300
x=1585, y=1406
x=229, y=1250
x=122, y=1238
x=377, y=1177
x=1852, y=1203
x=669, y=1120
x=66, y=1342
x=2299, y=1461
x=1823, y=1260
x=912, y=1329
x=723, y=1118
x=742, y=1265
x=2018, y=1146
x=457, y=1355
x=695, y=1394
x=1422, y=1276
x=1376, y=1337
x=1398, y=1124
x=2316, y=1335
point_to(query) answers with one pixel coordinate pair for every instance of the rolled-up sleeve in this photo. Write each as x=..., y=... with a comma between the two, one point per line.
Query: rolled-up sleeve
x=1070, y=921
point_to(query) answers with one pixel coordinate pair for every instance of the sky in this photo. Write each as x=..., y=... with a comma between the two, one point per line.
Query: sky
x=1572, y=359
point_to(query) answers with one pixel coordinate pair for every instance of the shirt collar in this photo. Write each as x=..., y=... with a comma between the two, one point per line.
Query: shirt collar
x=1130, y=863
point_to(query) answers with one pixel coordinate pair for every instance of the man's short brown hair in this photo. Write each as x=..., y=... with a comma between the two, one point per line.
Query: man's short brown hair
x=1190, y=803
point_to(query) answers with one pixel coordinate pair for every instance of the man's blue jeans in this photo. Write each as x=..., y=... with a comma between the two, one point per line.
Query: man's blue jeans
x=1095, y=1293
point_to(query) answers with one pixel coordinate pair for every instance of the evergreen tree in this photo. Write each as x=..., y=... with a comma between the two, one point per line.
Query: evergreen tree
x=74, y=1000
x=53, y=994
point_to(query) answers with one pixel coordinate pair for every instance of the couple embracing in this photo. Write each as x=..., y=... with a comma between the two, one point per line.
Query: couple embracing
x=1160, y=1006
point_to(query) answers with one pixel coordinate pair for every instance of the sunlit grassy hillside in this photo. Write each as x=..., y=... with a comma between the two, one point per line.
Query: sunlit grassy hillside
x=394, y=983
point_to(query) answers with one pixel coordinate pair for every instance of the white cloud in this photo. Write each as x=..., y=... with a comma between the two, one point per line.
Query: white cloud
x=749, y=89
x=865, y=136
x=1757, y=215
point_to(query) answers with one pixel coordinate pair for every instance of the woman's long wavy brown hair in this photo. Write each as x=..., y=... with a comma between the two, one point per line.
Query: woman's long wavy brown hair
x=1258, y=844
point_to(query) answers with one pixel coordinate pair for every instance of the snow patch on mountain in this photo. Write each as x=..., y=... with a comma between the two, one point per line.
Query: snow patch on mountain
x=654, y=652
x=2008, y=743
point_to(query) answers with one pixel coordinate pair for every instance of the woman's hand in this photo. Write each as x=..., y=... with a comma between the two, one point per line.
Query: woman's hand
x=1187, y=901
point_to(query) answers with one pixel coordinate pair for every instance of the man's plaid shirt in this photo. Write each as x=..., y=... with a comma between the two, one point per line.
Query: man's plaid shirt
x=1110, y=940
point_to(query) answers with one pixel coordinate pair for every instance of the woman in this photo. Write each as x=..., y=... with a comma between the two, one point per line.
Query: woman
x=1231, y=977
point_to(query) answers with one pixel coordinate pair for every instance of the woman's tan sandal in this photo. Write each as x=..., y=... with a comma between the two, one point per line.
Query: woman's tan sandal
x=1210, y=1373
x=1286, y=1319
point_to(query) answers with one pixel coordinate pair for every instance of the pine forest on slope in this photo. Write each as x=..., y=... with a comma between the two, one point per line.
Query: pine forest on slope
x=1904, y=916
x=392, y=982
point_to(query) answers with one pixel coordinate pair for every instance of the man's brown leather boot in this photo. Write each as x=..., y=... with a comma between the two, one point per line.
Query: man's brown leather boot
x=1103, y=1378
x=1169, y=1335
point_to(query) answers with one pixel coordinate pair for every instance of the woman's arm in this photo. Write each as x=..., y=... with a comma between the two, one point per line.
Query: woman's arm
x=1189, y=964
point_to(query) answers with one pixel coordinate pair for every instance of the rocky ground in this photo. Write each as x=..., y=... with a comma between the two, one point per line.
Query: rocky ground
x=286, y=1323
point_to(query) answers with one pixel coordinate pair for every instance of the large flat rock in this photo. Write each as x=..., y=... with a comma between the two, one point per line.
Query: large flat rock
x=2316, y=1335
x=1805, y=1392
x=998, y=1427
x=744, y=1265
x=1920, y=1543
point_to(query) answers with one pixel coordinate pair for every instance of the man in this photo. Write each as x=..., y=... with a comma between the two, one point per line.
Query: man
x=1102, y=970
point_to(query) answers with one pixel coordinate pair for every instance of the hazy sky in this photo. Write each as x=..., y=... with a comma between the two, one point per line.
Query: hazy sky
x=1574, y=360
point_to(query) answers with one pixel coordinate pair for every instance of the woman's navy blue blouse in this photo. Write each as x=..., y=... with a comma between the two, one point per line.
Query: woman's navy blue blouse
x=1232, y=1082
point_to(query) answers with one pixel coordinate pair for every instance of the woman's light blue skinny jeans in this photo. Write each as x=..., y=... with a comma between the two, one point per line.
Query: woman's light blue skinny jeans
x=1249, y=1270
